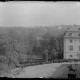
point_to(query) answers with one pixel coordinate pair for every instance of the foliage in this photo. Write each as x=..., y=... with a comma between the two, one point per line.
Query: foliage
x=50, y=44
x=18, y=46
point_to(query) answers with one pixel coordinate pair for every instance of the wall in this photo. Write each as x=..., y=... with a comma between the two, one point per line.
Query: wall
x=75, y=51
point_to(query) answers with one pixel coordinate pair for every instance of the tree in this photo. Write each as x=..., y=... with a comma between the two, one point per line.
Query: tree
x=61, y=47
x=31, y=43
x=54, y=54
x=49, y=43
x=46, y=54
x=54, y=44
x=13, y=48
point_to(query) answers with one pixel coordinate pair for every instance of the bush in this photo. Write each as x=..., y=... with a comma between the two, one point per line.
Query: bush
x=4, y=69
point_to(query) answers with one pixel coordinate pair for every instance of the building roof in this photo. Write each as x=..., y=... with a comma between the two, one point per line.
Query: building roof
x=74, y=28
x=73, y=31
x=72, y=34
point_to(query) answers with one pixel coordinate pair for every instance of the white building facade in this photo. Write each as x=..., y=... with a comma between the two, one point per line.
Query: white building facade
x=72, y=43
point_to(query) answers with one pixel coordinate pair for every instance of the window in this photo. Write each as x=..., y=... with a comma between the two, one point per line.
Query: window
x=79, y=48
x=71, y=56
x=71, y=48
x=79, y=40
x=79, y=34
x=70, y=34
x=78, y=28
x=71, y=41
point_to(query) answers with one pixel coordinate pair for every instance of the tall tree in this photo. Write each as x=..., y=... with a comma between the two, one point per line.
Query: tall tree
x=61, y=47
x=49, y=43
x=31, y=42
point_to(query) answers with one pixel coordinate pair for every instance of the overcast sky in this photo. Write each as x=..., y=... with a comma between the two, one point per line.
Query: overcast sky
x=39, y=13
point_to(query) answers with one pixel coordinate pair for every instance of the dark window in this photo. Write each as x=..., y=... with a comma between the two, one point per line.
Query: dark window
x=78, y=28
x=79, y=48
x=70, y=34
x=79, y=34
x=71, y=56
x=71, y=48
x=71, y=41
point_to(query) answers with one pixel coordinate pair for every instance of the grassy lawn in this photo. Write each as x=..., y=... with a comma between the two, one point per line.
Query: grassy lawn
x=39, y=70
x=62, y=71
x=52, y=70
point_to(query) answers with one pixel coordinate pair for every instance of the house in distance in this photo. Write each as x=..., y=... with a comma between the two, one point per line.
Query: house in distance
x=72, y=43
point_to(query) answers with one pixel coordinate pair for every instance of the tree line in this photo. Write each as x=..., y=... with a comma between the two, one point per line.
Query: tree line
x=16, y=48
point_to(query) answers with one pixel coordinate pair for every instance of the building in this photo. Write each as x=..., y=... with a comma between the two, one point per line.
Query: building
x=72, y=43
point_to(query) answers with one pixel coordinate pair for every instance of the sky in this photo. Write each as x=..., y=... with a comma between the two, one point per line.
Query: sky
x=28, y=13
